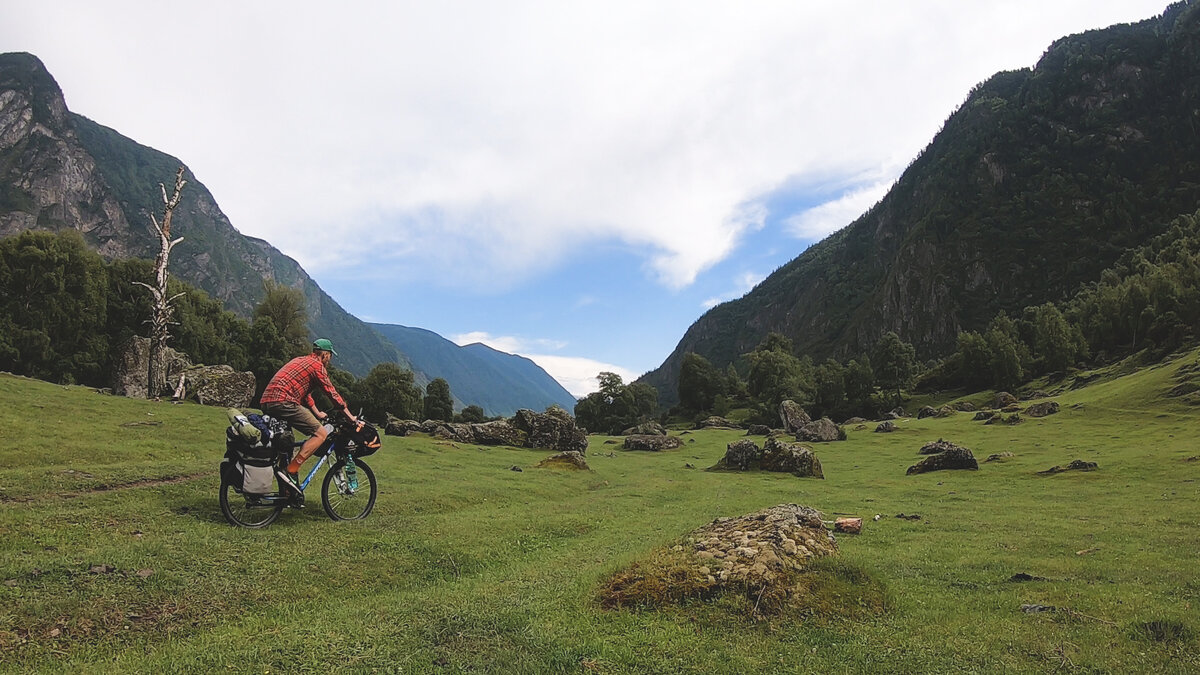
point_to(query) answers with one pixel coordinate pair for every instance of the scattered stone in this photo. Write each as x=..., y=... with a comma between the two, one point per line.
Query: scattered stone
x=855, y=420
x=913, y=516
x=689, y=465
x=1010, y=420
x=848, y=525
x=501, y=432
x=565, y=460
x=1042, y=409
x=964, y=406
x=1003, y=399
x=1021, y=577
x=652, y=443
x=793, y=416
x=955, y=457
x=145, y=573
x=101, y=569
x=1038, y=609
x=926, y=411
x=758, y=430
x=999, y=456
x=1036, y=393
x=1193, y=458
x=1016, y=407
x=1075, y=465
x=1087, y=551
x=888, y=416
x=220, y=386
x=899, y=412
x=716, y=422
x=11, y=583
x=983, y=415
x=514, y=467
x=821, y=431
x=885, y=427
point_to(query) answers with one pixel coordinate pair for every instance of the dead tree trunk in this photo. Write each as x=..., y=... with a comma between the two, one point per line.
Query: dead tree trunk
x=160, y=313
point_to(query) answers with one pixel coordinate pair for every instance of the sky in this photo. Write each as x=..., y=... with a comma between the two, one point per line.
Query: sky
x=576, y=182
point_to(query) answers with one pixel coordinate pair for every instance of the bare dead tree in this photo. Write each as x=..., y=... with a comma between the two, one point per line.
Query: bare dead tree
x=160, y=313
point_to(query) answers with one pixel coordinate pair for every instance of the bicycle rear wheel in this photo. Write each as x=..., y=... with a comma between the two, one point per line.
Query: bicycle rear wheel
x=251, y=512
x=342, y=503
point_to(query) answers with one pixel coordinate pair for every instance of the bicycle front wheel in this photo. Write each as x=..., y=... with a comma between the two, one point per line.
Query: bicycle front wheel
x=340, y=501
x=245, y=511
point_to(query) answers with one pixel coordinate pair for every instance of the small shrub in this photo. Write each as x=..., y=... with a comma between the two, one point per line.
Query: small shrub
x=1162, y=631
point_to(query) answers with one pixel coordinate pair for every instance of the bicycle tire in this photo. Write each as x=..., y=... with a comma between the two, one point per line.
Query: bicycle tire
x=239, y=512
x=340, y=506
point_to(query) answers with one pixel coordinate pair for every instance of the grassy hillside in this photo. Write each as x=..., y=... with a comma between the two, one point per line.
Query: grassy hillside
x=468, y=566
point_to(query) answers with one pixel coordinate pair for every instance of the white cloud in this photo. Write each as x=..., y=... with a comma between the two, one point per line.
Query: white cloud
x=576, y=374
x=742, y=285
x=815, y=223
x=496, y=138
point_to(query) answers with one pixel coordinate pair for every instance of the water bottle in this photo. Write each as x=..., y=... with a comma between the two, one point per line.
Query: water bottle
x=351, y=474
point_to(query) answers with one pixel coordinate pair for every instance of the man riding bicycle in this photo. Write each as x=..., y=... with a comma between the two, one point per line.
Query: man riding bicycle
x=288, y=397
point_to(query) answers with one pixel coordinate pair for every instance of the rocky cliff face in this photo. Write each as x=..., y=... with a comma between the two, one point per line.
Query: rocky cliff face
x=59, y=170
x=1035, y=185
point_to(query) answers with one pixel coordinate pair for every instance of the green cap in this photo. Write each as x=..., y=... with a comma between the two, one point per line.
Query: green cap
x=324, y=345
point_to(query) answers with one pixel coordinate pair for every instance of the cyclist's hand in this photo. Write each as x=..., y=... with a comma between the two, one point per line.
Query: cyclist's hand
x=350, y=417
x=321, y=414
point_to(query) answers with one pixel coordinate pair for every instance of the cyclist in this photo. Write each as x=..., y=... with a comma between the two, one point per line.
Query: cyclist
x=288, y=397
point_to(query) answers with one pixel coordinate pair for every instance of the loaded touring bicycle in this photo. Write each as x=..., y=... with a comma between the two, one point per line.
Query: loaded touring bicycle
x=256, y=488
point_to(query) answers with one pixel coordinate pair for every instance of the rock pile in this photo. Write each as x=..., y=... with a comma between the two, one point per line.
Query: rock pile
x=776, y=455
x=645, y=429
x=951, y=456
x=751, y=552
x=552, y=430
x=716, y=422
x=821, y=431
x=1042, y=409
x=1075, y=465
x=565, y=460
x=652, y=443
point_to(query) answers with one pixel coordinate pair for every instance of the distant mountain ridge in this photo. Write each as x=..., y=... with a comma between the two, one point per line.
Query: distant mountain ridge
x=1036, y=184
x=60, y=170
x=489, y=378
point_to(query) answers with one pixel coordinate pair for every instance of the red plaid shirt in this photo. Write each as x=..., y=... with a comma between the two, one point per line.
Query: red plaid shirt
x=296, y=380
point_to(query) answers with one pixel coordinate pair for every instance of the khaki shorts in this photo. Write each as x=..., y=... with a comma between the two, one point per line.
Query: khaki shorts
x=298, y=416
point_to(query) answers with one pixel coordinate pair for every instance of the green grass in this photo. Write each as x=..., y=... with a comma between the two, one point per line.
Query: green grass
x=468, y=566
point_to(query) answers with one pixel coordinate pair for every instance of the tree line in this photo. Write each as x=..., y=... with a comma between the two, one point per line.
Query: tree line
x=66, y=313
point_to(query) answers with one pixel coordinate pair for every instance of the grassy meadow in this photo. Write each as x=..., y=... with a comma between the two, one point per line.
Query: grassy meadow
x=115, y=558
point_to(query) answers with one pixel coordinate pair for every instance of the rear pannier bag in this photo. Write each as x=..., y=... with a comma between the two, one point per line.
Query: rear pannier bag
x=249, y=475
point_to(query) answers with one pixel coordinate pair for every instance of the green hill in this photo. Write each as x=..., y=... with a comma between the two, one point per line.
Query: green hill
x=1036, y=184
x=115, y=557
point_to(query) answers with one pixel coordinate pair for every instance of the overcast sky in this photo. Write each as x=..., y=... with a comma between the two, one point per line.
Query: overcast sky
x=573, y=181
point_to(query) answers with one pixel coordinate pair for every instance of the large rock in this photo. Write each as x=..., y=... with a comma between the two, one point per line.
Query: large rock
x=820, y=431
x=398, y=427
x=499, y=432
x=131, y=369
x=885, y=427
x=793, y=416
x=652, y=442
x=758, y=430
x=1003, y=399
x=645, y=429
x=791, y=458
x=955, y=457
x=220, y=386
x=740, y=455
x=1042, y=409
x=554, y=429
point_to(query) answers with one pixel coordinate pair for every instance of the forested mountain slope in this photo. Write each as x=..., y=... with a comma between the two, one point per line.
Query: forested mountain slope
x=1037, y=183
